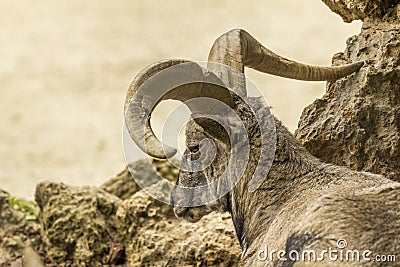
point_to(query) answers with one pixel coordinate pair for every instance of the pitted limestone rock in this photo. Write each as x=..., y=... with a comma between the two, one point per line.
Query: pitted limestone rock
x=357, y=121
x=19, y=228
x=78, y=224
x=363, y=10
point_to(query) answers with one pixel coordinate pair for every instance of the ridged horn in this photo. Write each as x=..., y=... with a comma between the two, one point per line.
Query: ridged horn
x=169, y=79
x=238, y=49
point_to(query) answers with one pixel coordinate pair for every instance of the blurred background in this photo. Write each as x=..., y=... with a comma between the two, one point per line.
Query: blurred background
x=65, y=67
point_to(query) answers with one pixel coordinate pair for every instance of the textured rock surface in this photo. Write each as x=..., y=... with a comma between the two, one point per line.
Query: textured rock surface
x=351, y=10
x=79, y=226
x=157, y=238
x=19, y=228
x=357, y=122
x=87, y=226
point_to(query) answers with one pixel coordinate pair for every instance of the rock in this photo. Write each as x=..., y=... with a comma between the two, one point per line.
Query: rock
x=79, y=224
x=87, y=226
x=351, y=10
x=19, y=228
x=357, y=121
x=157, y=238
x=144, y=170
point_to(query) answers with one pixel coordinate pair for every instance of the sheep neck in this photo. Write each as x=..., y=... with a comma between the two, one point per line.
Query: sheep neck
x=252, y=212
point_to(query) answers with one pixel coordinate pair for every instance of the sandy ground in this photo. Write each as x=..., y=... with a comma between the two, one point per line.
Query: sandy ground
x=65, y=67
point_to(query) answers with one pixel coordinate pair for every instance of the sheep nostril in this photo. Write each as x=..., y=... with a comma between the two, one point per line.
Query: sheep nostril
x=179, y=211
x=191, y=216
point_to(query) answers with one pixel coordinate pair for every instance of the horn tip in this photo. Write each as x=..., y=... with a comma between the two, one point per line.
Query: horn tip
x=360, y=64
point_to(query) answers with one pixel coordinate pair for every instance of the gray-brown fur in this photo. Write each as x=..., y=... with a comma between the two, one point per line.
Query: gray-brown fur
x=302, y=197
x=303, y=203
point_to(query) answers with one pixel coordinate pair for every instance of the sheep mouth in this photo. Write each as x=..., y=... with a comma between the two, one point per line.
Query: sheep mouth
x=192, y=215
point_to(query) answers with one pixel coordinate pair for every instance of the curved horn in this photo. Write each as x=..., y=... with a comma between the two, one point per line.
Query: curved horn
x=238, y=49
x=183, y=81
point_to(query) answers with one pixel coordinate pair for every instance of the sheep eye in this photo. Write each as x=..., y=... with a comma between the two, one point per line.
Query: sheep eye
x=194, y=149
